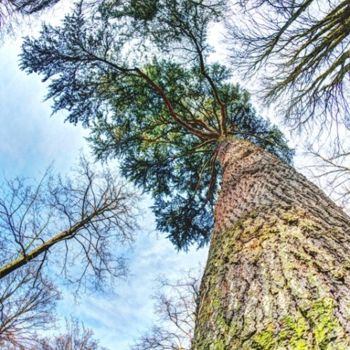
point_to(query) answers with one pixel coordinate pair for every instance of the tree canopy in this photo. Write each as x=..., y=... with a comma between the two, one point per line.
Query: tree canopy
x=139, y=75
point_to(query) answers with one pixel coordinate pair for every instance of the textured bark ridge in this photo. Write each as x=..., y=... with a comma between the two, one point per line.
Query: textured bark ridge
x=278, y=272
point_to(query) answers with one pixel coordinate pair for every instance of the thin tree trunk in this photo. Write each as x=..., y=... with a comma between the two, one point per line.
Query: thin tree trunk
x=278, y=272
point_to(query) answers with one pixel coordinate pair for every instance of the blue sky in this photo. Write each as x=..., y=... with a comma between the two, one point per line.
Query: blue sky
x=31, y=140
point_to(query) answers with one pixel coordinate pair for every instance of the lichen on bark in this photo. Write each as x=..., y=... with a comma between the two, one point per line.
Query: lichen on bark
x=262, y=290
x=278, y=271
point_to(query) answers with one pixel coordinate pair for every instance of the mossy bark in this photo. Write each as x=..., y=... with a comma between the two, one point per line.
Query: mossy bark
x=278, y=272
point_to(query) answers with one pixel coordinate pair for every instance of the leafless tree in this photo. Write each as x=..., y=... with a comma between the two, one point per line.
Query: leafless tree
x=73, y=225
x=301, y=51
x=76, y=223
x=330, y=168
x=75, y=337
x=175, y=307
x=27, y=302
x=301, y=48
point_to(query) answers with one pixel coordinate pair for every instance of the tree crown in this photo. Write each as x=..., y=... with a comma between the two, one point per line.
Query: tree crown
x=138, y=74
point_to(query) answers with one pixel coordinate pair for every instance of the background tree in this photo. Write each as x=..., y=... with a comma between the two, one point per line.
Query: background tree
x=27, y=303
x=300, y=49
x=71, y=226
x=75, y=337
x=329, y=166
x=139, y=75
x=175, y=307
x=82, y=219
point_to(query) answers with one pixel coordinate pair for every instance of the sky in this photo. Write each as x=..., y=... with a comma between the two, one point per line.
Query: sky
x=32, y=140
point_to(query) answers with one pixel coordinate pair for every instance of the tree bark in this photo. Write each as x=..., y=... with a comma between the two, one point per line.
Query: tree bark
x=278, y=272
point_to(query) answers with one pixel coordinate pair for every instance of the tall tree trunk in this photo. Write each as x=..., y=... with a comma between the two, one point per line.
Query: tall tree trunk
x=278, y=272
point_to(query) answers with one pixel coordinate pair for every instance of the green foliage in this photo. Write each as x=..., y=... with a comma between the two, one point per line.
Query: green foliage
x=139, y=10
x=162, y=116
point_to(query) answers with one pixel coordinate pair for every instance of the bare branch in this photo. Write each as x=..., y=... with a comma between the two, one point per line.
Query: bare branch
x=175, y=307
x=331, y=169
x=89, y=215
x=75, y=337
x=27, y=301
x=300, y=49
